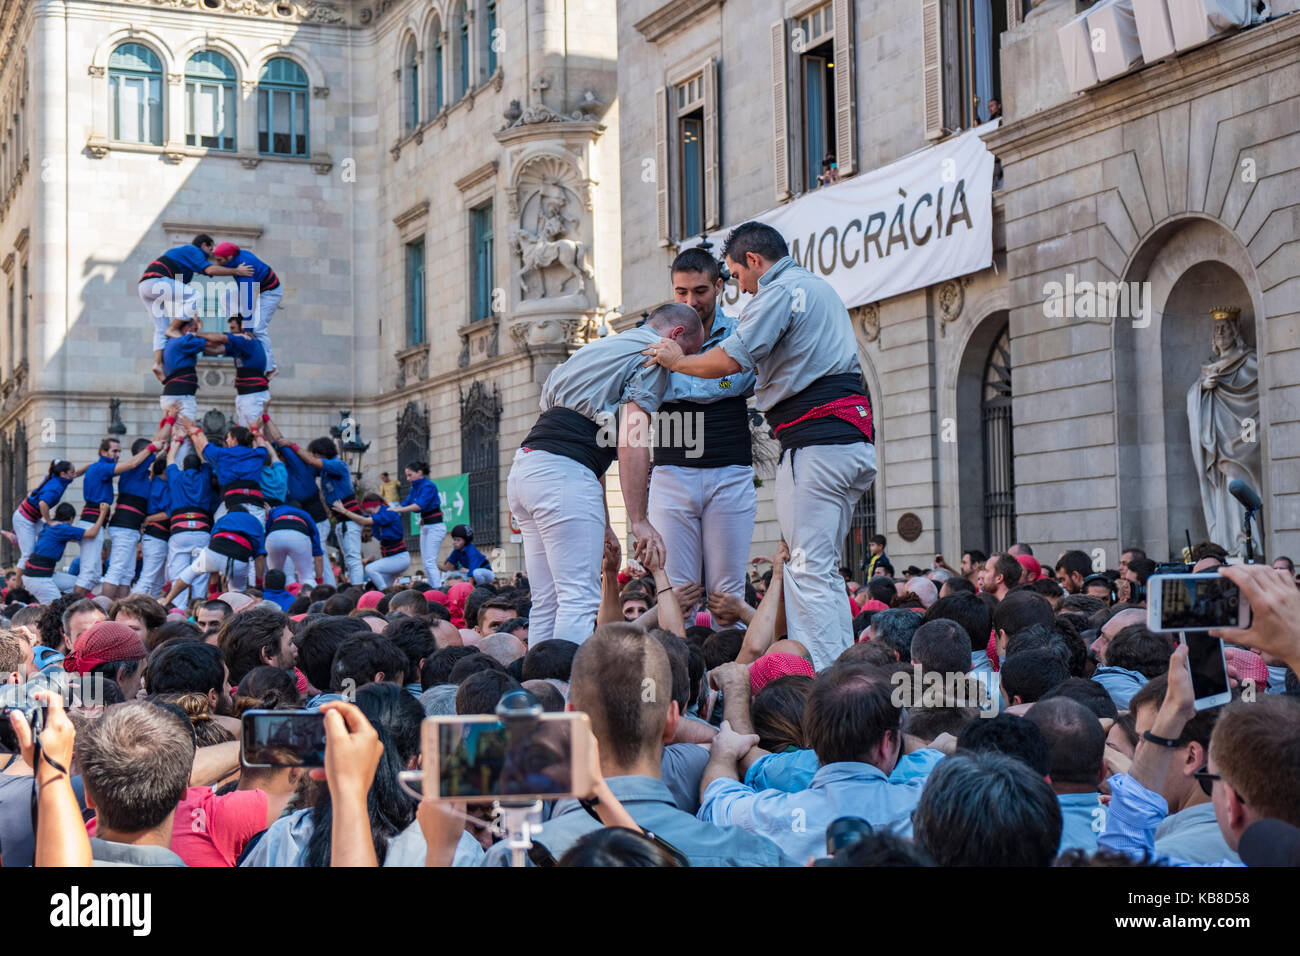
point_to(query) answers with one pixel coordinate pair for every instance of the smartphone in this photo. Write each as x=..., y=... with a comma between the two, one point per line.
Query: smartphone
x=282, y=738
x=1209, y=667
x=482, y=758
x=1194, y=602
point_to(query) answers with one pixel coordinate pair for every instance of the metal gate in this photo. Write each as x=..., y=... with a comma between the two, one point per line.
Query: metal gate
x=999, y=453
x=480, y=417
x=412, y=446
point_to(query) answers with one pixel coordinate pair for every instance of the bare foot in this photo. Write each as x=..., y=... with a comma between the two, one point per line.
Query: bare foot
x=10, y=537
x=174, y=330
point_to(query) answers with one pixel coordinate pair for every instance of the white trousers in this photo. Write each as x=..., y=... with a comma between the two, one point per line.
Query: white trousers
x=121, y=560
x=190, y=409
x=49, y=590
x=706, y=518
x=295, y=546
x=349, y=535
x=267, y=303
x=92, y=559
x=431, y=536
x=209, y=562
x=816, y=490
x=183, y=547
x=384, y=571
x=27, y=531
x=154, y=551
x=560, y=509
x=327, y=566
x=167, y=299
x=249, y=408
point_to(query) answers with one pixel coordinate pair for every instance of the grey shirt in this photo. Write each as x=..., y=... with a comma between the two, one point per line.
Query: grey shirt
x=108, y=853
x=604, y=374
x=1193, y=835
x=794, y=331
x=690, y=388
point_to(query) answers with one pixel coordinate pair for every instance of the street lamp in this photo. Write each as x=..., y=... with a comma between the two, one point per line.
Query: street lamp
x=348, y=434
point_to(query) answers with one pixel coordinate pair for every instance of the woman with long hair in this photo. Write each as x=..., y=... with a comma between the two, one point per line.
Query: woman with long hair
x=36, y=507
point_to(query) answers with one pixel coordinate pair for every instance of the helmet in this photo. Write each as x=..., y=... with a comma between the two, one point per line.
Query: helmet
x=463, y=531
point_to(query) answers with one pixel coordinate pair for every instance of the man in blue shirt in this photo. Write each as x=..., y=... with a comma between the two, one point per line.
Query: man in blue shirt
x=465, y=557
x=291, y=536
x=127, y=523
x=252, y=387
x=190, y=501
x=273, y=589
x=259, y=294
x=301, y=487
x=610, y=673
x=386, y=524
x=167, y=293
x=1078, y=744
x=238, y=467
x=180, y=356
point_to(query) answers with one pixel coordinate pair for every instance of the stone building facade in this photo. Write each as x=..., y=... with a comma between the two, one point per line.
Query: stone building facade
x=997, y=421
x=434, y=183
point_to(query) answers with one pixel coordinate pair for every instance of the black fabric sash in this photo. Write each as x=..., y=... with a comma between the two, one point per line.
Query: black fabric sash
x=562, y=431
x=723, y=440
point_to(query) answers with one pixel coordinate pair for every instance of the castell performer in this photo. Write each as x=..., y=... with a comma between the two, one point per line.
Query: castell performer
x=556, y=487
x=795, y=333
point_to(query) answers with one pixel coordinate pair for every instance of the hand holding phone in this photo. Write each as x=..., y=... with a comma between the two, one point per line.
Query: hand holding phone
x=1194, y=602
x=1206, y=670
x=282, y=738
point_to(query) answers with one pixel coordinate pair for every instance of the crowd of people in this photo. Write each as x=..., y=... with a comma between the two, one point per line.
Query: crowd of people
x=738, y=711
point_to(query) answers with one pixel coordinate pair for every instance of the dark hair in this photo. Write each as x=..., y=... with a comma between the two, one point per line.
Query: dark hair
x=202, y=239
x=480, y=693
x=894, y=628
x=473, y=601
x=417, y=602
x=323, y=592
x=1152, y=693
x=1088, y=693
x=1007, y=566
x=756, y=237
x=879, y=539
x=361, y=656
x=396, y=716
x=108, y=442
x=64, y=512
x=966, y=610
x=414, y=639
x=882, y=589
x=722, y=647
x=494, y=603
x=275, y=580
x=1075, y=562
x=184, y=666
x=976, y=555
x=617, y=846
x=1023, y=609
x=1075, y=737
x=608, y=683
x=1137, y=649
x=1032, y=673
x=1143, y=567
x=1010, y=735
x=323, y=447
x=696, y=259
x=881, y=848
x=471, y=664
x=777, y=710
x=339, y=605
x=241, y=435
x=987, y=810
x=267, y=688
x=421, y=466
x=956, y=586
x=58, y=466
x=679, y=660
x=438, y=665
x=1033, y=637
x=243, y=638
x=437, y=612
x=318, y=642
x=1084, y=604
x=941, y=646
x=697, y=634
x=848, y=713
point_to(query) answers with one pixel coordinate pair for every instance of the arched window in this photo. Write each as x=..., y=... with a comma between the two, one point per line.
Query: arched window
x=282, y=109
x=436, y=97
x=411, y=91
x=210, y=101
x=999, y=454
x=135, y=95
x=460, y=37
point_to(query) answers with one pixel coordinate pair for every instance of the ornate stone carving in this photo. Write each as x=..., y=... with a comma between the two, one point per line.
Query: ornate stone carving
x=419, y=136
x=96, y=71
x=951, y=298
x=321, y=165
x=412, y=365
x=320, y=92
x=173, y=156
x=248, y=86
x=498, y=79
x=302, y=11
x=250, y=162
x=869, y=316
x=97, y=148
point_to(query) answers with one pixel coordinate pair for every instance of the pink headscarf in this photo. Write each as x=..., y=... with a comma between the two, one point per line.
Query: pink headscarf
x=457, y=594
x=369, y=600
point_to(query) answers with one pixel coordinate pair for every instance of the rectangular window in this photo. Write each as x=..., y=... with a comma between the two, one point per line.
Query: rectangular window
x=137, y=108
x=463, y=71
x=972, y=73
x=22, y=312
x=210, y=115
x=282, y=122
x=13, y=358
x=491, y=36
x=688, y=100
x=483, y=263
x=818, y=110
x=415, y=293
x=437, y=78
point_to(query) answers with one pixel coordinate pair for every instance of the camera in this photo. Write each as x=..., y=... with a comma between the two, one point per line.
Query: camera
x=843, y=834
x=22, y=699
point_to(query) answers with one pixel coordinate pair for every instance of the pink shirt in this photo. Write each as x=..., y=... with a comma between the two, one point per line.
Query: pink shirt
x=213, y=831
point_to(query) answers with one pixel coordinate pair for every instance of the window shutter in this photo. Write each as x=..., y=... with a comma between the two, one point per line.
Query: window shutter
x=845, y=107
x=712, y=165
x=932, y=67
x=780, y=137
x=661, y=163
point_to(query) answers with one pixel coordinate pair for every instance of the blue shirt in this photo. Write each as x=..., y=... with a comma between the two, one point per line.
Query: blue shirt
x=54, y=538
x=335, y=480
x=182, y=353
x=136, y=480
x=388, y=525
x=1132, y=818
x=425, y=494
x=191, y=257
x=1120, y=683
x=236, y=464
x=248, y=353
x=1082, y=817
x=650, y=803
x=797, y=822
x=261, y=271
x=281, y=511
x=794, y=770
x=274, y=480
x=690, y=388
x=243, y=523
x=50, y=491
x=301, y=476
x=98, y=485
x=189, y=489
x=159, y=497
x=468, y=558
x=282, y=598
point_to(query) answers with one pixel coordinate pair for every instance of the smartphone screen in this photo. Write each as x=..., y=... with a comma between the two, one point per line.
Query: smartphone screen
x=283, y=738
x=482, y=757
x=1198, y=602
x=1209, y=671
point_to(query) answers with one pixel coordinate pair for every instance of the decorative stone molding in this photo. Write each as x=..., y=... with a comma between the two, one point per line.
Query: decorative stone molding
x=479, y=175
x=187, y=230
x=250, y=162
x=950, y=297
x=412, y=365
x=173, y=156
x=498, y=80
x=395, y=152
x=97, y=147
x=321, y=165
x=320, y=92
x=869, y=317
x=479, y=340
x=672, y=16
x=96, y=71
x=174, y=79
x=8, y=264
x=419, y=136
x=410, y=215
x=248, y=86
x=302, y=11
x=20, y=243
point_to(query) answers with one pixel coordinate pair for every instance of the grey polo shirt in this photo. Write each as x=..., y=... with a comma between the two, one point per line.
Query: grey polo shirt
x=794, y=331
x=108, y=853
x=690, y=388
x=604, y=374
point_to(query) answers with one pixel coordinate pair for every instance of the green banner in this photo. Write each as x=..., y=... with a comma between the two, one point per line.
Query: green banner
x=454, y=491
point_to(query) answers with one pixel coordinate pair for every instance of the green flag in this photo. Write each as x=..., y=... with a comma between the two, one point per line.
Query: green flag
x=454, y=492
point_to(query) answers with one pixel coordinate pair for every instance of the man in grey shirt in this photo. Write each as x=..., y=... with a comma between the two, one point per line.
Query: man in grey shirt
x=556, y=487
x=796, y=334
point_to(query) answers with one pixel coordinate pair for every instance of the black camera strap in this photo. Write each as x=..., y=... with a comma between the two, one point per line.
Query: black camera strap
x=681, y=858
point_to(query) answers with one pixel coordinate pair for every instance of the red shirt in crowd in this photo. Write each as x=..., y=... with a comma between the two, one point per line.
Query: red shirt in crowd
x=213, y=831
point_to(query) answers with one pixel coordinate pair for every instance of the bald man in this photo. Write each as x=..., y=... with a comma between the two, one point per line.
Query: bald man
x=556, y=487
x=1118, y=621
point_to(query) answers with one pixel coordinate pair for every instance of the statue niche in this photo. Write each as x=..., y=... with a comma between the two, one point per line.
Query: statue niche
x=550, y=255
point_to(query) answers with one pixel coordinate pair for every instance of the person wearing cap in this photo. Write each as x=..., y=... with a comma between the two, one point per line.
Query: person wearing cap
x=39, y=574
x=167, y=294
x=259, y=293
x=796, y=335
x=423, y=497
x=238, y=539
x=556, y=485
x=465, y=557
x=702, y=495
x=112, y=649
x=386, y=524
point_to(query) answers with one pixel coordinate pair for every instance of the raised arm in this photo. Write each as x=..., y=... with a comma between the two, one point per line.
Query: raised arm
x=768, y=621
x=610, y=609
x=715, y=363
x=159, y=441
x=244, y=270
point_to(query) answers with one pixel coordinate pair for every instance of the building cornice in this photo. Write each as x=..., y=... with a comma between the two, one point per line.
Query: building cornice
x=672, y=16
x=479, y=175
x=408, y=216
x=180, y=227
x=281, y=11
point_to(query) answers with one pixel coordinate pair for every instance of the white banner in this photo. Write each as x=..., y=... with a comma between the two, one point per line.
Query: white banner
x=923, y=219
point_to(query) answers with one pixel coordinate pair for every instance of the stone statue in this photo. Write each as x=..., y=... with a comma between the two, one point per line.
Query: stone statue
x=549, y=245
x=1223, y=417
